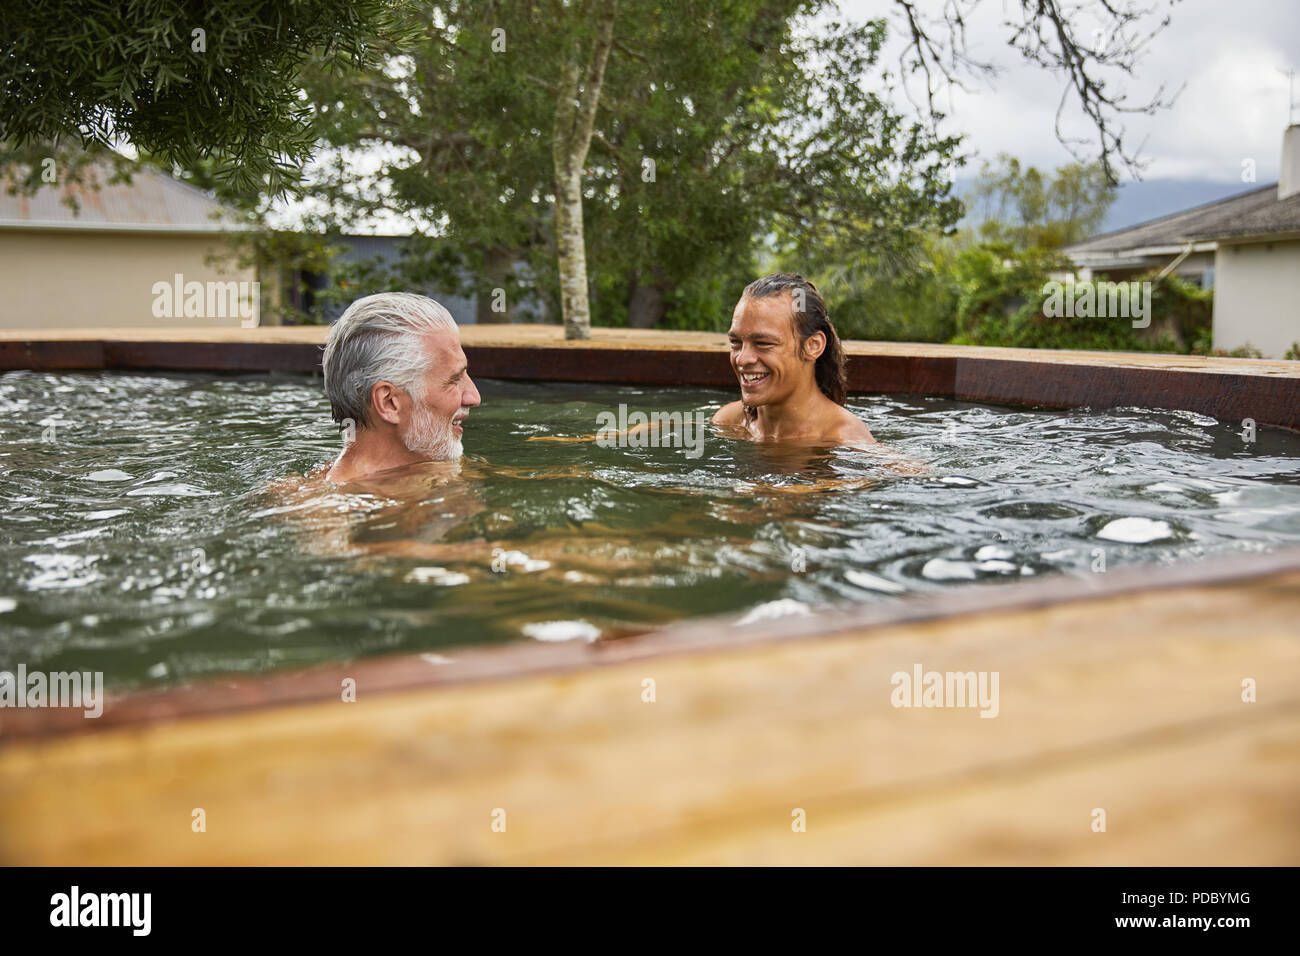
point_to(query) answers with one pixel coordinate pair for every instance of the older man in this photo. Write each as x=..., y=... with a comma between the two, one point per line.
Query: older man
x=398, y=381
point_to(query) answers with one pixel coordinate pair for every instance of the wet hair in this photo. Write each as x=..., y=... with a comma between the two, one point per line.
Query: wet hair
x=808, y=321
x=378, y=339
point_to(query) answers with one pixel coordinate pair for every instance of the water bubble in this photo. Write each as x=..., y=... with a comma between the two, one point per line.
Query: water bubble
x=552, y=631
x=942, y=569
x=784, y=607
x=1136, y=530
x=873, y=582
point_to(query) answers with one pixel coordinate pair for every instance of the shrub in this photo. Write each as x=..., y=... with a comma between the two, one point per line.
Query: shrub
x=1009, y=298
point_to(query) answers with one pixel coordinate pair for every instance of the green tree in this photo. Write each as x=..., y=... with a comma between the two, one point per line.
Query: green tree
x=719, y=124
x=1021, y=206
x=910, y=296
x=790, y=146
x=461, y=122
x=807, y=150
x=577, y=95
x=185, y=81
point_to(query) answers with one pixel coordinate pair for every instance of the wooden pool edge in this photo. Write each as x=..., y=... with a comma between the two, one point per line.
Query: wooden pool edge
x=454, y=667
x=1155, y=728
x=1230, y=389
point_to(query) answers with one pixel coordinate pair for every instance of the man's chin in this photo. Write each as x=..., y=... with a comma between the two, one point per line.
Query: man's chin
x=443, y=455
x=449, y=451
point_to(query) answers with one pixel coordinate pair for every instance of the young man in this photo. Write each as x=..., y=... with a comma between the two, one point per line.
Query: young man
x=790, y=366
x=398, y=382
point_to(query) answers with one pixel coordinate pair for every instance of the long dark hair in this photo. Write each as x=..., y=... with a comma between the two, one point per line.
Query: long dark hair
x=808, y=321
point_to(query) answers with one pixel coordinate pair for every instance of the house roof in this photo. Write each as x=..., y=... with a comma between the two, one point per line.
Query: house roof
x=1279, y=216
x=1255, y=212
x=152, y=202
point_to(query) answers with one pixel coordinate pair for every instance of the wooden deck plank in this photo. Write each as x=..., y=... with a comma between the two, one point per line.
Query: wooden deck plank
x=1244, y=815
x=1131, y=703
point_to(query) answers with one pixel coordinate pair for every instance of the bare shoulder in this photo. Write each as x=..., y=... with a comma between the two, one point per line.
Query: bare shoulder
x=850, y=428
x=732, y=414
x=295, y=489
x=287, y=487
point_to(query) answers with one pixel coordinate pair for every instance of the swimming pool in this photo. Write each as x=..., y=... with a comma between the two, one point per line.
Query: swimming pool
x=138, y=535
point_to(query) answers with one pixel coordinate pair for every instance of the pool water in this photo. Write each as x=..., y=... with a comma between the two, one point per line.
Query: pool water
x=146, y=531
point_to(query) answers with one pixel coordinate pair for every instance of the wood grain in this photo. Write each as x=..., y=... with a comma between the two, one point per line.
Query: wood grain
x=1130, y=703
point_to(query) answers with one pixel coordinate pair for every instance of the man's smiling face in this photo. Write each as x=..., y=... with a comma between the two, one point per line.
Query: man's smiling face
x=441, y=400
x=765, y=352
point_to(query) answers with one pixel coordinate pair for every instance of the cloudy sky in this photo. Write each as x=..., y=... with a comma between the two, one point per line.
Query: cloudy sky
x=1226, y=55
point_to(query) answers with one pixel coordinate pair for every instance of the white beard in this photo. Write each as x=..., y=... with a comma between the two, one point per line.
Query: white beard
x=431, y=437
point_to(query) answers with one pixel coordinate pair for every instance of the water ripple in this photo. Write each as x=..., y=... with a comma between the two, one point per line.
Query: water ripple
x=140, y=533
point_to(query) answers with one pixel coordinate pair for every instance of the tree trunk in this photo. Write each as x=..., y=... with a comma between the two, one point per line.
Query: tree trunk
x=575, y=116
x=572, y=243
x=498, y=263
x=645, y=306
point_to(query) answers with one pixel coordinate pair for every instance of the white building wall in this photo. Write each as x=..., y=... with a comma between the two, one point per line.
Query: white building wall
x=1257, y=296
x=69, y=278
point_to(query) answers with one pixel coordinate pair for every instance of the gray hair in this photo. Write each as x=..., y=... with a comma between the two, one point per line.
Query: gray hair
x=378, y=340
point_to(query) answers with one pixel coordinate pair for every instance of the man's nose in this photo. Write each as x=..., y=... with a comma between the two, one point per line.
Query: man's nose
x=745, y=356
x=469, y=397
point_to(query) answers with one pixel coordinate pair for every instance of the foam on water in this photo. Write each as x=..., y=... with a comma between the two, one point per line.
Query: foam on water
x=1136, y=530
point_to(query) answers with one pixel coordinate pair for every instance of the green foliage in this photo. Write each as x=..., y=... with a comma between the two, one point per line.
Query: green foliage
x=934, y=287
x=1203, y=346
x=995, y=283
x=1023, y=207
x=992, y=292
x=1293, y=353
x=731, y=135
x=841, y=178
x=182, y=79
x=721, y=124
x=1003, y=299
x=910, y=296
x=463, y=130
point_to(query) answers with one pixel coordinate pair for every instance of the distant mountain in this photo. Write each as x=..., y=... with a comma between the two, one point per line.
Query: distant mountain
x=1153, y=198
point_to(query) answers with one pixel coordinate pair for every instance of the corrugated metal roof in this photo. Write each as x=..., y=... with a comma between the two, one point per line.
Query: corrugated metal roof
x=152, y=201
x=1258, y=212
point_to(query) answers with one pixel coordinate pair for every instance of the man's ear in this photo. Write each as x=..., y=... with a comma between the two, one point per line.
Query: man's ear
x=386, y=399
x=814, y=346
